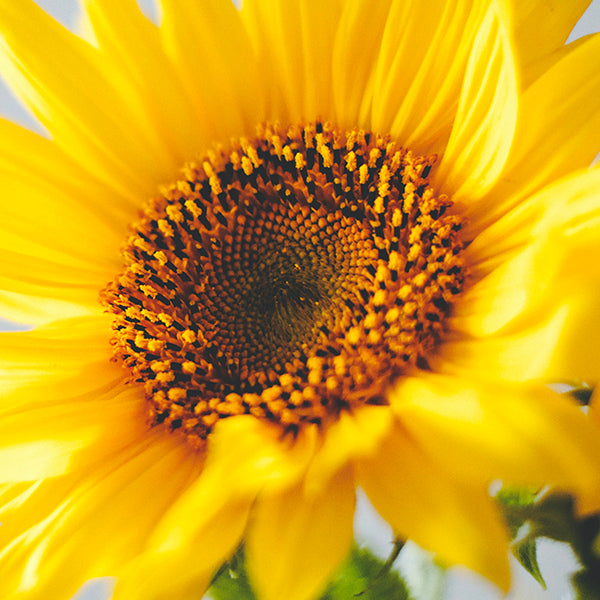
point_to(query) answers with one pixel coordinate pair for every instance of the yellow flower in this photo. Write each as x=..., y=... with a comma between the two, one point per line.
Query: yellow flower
x=383, y=245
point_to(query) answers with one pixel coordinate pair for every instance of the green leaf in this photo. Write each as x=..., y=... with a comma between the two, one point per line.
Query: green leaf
x=365, y=577
x=553, y=516
x=515, y=501
x=231, y=581
x=526, y=553
x=586, y=585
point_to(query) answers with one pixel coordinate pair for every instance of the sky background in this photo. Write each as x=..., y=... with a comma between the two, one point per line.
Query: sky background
x=555, y=560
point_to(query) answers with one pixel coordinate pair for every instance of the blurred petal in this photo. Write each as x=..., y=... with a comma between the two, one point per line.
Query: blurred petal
x=95, y=522
x=354, y=434
x=296, y=539
x=480, y=432
x=422, y=501
x=183, y=568
x=246, y=455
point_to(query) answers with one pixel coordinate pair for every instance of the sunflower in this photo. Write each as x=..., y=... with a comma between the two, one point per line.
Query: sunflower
x=278, y=253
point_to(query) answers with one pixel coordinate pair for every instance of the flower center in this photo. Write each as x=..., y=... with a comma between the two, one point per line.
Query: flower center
x=291, y=277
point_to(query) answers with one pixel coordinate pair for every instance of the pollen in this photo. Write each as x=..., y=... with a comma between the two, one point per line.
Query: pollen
x=291, y=276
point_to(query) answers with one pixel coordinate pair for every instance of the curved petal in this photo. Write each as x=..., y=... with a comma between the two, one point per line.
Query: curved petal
x=428, y=52
x=92, y=524
x=508, y=292
x=63, y=80
x=183, y=568
x=146, y=76
x=215, y=63
x=481, y=432
x=246, y=455
x=352, y=435
x=542, y=27
x=539, y=306
x=424, y=502
x=484, y=126
x=62, y=395
x=561, y=205
x=557, y=132
x=61, y=229
x=294, y=44
x=576, y=354
x=359, y=35
x=525, y=354
x=296, y=540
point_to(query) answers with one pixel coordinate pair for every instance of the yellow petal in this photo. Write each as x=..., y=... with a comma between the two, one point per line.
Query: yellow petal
x=575, y=289
x=39, y=165
x=244, y=456
x=51, y=440
x=356, y=49
x=62, y=395
x=296, y=540
x=146, y=75
x=419, y=71
x=425, y=54
x=53, y=353
x=294, y=45
x=485, y=122
x=557, y=132
x=36, y=310
x=15, y=495
x=481, y=432
x=522, y=355
x=543, y=26
x=561, y=205
x=215, y=62
x=508, y=291
x=405, y=83
x=76, y=290
x=186, y=573
x=555, y=279
x=423, y=502
x=576, y=353
x=74, y=520
x=78, y=103
x=352, y=435
x=59, y=237
x=185, y=570
x=39, y=458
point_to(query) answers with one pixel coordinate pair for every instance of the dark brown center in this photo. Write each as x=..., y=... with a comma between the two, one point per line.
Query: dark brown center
x=291, y=276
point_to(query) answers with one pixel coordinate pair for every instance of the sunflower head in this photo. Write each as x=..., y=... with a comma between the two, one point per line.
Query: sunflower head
x=290, y=276
x=337, y=245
